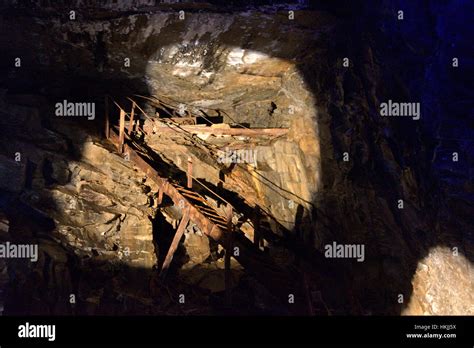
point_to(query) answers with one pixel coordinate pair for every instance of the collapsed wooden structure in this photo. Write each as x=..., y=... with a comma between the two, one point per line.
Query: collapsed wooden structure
x=194, y=206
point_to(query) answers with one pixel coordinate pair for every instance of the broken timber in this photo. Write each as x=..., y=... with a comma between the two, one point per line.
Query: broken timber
x=228, y=252
x=248, y=132
x=216, y=230
x=174, y=244
x=207, y=219
x=169, y=189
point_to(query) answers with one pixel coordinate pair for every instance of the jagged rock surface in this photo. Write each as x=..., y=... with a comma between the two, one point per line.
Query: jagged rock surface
x=231, y=61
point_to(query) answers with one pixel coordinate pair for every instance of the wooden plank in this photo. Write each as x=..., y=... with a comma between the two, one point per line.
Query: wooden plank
x=188, y=192
x=174, y=244
x=160, y=192
x=189, y=121
x=107, y=120
x=195, y=198
x=255, y=132
x=132, y=115
x=221, y=224
x=121, y=130
x=254, y=261
x=201, y=221
x=257, y=235
x=228, y=253
x=213, y=214
x=208, y=208
x=189, y=173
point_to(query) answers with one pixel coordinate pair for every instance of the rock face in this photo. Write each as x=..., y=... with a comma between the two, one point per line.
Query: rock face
x=197, y=247
x=432, y=296
x=97, y=213
x=246, y=64
x=343, y=173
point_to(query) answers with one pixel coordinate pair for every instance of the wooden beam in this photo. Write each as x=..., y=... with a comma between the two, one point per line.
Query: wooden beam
x=228, y=254
x=107, y=121
x=255, y=132
x=174, y=244
x=190, y=173
x=254, y=261
x=256, y=228
x=188, y=121
x=132, y=115
x=206, y=226
x=160, y=192
x=121, y=130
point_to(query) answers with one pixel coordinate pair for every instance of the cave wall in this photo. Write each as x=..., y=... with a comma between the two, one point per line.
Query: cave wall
x=409, y=60
x=231, y=61
x=86, y=208
x=244, y=63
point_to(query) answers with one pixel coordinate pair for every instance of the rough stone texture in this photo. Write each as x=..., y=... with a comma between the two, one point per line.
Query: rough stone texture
x=231, y=61
x=98, y=213
x=210, y=276
x=197, y=246
x=432, y=296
